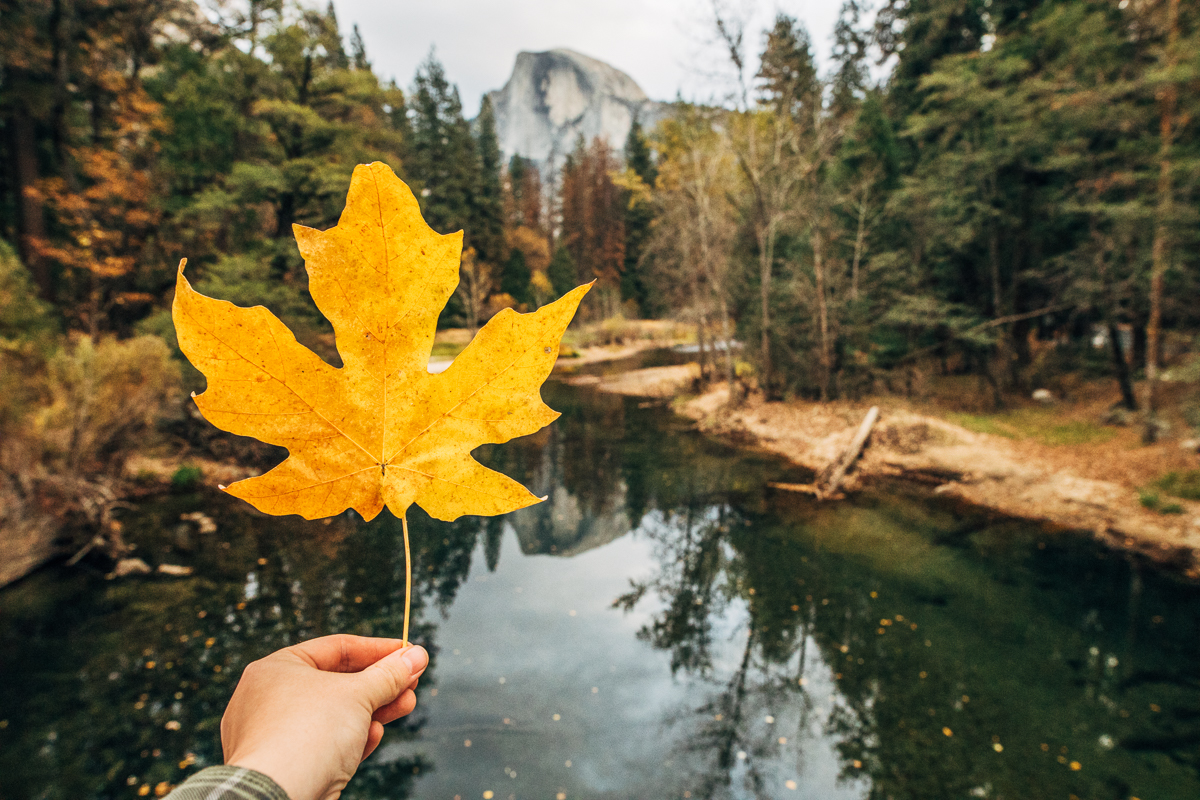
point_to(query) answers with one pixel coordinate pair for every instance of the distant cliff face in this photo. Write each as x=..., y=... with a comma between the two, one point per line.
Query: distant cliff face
x=554, y=97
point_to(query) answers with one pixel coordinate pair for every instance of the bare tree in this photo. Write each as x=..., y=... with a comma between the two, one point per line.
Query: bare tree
x=694, y=229
x=475, y=285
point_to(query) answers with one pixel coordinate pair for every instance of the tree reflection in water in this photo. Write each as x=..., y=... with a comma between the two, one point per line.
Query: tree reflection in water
x=136, y=699
x=916, y=650
x=953, y=657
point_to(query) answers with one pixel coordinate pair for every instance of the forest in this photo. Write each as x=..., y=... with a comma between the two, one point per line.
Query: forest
x=1002, y=190
x=976, y=222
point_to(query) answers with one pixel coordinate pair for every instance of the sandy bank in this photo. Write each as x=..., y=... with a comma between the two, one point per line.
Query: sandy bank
x=661, y=382
x=1081, y=487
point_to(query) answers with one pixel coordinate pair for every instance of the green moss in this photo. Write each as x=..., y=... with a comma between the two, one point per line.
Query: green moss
x=1181, y=484
x=1034, y=423
x=186, y=478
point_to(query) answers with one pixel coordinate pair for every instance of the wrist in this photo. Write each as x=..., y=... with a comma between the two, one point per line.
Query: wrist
x=281, y=771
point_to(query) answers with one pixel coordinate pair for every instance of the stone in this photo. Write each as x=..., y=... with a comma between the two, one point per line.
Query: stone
x=1044, y=396
x=554, y=97
x=130, y=566
x=175, y=570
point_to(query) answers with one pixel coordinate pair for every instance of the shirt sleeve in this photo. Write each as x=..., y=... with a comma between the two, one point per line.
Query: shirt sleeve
x=228, y=783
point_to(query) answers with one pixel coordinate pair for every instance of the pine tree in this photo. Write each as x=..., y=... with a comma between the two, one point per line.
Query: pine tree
x=919, y=32
x=561, y=272
x=788, y=73
x=850, y=57
x=487, y=200
x=358, y=50
x=331, y=39
x=443, y=158
x=639, y=214
x=515, y=278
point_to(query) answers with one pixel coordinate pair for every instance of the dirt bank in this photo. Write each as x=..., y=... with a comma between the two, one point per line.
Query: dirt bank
x=660, y=382
x=1092, y=486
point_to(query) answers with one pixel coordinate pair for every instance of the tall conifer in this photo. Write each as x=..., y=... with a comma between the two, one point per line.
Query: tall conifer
x=488, y=199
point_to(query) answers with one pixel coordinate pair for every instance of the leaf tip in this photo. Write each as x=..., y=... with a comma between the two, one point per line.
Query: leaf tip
x=221, y=486
x=182, y=264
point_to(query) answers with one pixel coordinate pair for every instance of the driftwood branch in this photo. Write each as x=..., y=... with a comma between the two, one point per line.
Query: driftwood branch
x=831, y=479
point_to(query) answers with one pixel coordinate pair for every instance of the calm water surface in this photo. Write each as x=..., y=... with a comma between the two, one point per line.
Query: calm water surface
x=663, y=627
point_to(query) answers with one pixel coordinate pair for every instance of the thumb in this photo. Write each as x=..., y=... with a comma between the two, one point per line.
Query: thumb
x=387, y=678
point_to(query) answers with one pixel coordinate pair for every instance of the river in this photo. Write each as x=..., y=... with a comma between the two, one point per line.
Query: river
x=664, y=626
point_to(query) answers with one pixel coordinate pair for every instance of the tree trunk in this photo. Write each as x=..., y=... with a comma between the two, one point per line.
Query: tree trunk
x=1160, y=253
x=727, y=335
x=859, y=240
x=701, y=325
x=1122, y=367
x=994, y=264
x=822, y=313
x=31, y=225
x=766, y=258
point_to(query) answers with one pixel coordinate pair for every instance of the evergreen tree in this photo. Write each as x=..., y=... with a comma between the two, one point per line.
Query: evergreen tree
x=331, y=39
x=788, y=73
x=487, y=201
x=515, y=278
x=358, y=50
x=561, y=272
x=919, y=32
x=443, y=159
x=850, y=43
x=639, y=214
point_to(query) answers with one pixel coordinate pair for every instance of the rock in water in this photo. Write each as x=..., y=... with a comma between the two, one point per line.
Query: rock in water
x=554, y=97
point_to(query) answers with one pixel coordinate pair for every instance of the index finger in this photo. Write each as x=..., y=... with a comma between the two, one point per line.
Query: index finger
x=343, y=652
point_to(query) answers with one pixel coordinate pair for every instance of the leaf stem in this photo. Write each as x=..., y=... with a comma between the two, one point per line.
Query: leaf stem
x=407, y=578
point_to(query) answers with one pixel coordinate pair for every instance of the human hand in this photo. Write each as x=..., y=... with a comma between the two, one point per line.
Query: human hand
x=307, y=715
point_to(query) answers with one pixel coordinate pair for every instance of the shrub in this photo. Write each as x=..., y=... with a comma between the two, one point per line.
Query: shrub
x=24, y=319
x=106, y=397
x=28, y=333
x=186, y=478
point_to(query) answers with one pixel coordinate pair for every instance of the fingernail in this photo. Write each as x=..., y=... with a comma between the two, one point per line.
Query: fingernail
x=416, y=658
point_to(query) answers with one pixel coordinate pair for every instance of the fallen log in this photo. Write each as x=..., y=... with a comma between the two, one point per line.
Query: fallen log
x=802, y=488
x=831, y=478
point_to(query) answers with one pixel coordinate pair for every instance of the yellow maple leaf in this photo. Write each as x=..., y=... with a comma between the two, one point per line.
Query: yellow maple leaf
x=380, y=430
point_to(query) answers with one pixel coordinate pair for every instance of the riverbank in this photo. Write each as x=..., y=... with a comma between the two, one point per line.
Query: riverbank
x=1078, y=476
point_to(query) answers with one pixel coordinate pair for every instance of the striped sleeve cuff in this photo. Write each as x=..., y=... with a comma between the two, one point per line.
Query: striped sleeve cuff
x=228, y=783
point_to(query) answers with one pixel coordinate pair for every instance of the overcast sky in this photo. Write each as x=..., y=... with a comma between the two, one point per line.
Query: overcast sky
x=661, y=44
